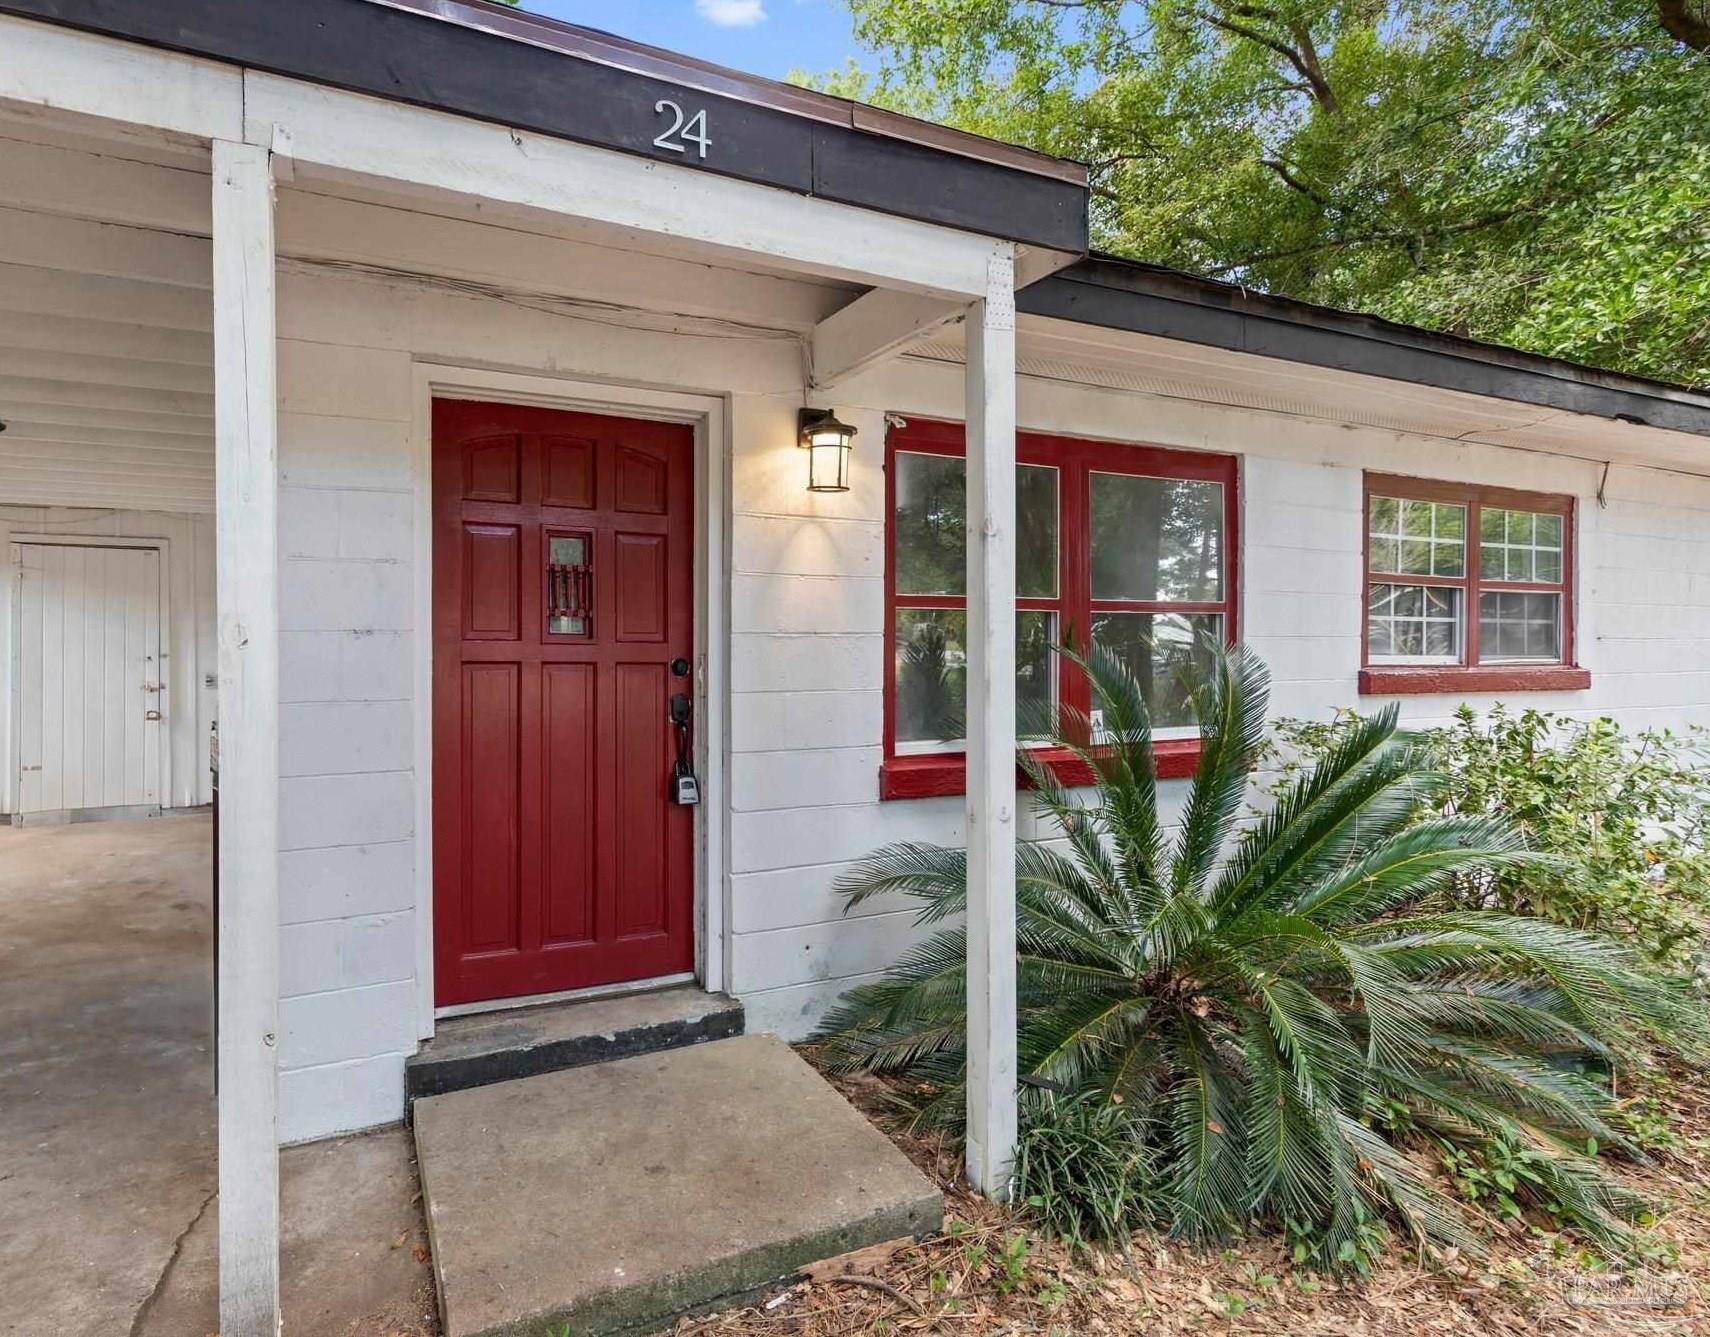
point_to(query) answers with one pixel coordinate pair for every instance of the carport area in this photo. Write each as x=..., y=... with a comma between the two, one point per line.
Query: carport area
x=107, y=1145
x=106, y=1066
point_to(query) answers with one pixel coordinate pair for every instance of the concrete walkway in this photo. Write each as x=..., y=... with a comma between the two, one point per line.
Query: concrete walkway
x=106, y=1069
x=107, y=1215
x=614, y=1197
x=353, y=1260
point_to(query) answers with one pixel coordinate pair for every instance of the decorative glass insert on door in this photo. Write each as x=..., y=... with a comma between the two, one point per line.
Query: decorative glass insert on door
x=569, y=585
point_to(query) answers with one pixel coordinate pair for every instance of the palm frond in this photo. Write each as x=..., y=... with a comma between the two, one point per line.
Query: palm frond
x=1308, y=817
x=1231, y=708
x=1408, y=866
x=1205, y=1185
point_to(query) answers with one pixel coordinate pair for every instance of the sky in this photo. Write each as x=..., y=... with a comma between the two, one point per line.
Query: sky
x=769, y=37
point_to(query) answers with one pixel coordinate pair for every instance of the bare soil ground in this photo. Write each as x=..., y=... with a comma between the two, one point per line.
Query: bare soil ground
x=991, y=1272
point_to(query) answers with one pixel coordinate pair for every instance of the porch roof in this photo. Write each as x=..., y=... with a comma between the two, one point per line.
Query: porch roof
x=491, y=62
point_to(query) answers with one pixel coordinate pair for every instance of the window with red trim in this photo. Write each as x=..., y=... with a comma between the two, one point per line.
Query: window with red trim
x=1130, y=546
x=1467, y=588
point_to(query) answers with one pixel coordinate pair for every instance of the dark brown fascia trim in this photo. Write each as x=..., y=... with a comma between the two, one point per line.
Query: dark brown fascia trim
x=450, y=55
x=690, y=72
x=1144, y=299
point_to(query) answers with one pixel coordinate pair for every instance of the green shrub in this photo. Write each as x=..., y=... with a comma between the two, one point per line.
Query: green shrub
x=1255, y=998
x=1623, y=820
x=1082, y=1165
x=1506, y=1176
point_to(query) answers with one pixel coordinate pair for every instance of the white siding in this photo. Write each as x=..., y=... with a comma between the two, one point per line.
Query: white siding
x=349, y=479
x=346, y=749
x=805, y=604
x=1643, y=629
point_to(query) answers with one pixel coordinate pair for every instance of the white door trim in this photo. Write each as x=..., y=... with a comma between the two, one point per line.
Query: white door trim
x=709, y=416
x=163, y=652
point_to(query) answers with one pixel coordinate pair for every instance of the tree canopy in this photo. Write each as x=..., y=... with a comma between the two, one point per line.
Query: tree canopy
x=1532, y=173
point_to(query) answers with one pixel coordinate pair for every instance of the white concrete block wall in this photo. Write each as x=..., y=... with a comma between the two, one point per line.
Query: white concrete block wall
x=348, y=937
x=351, y=1005
x=805, y=612
x=804, y=807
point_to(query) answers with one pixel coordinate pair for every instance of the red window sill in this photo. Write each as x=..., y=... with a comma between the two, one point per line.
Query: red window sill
x=947, y=773
x=1418, y=681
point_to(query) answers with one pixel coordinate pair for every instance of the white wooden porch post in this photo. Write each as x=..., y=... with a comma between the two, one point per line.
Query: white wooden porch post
x=247, y=585
x=991, y=730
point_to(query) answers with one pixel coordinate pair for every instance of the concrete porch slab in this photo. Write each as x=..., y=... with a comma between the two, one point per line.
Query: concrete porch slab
x=615, y=1197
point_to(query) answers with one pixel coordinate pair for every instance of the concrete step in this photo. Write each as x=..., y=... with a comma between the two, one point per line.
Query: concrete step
x=614, y=1198
x=503, y=1046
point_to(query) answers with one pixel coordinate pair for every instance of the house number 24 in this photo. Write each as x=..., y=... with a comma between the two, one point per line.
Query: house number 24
x=684, y=131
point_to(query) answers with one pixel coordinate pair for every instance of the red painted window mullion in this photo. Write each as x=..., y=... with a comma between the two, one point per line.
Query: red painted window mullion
x=1160, y=606
x=1472, y=556
x=1413, y=578
x=1074, y=559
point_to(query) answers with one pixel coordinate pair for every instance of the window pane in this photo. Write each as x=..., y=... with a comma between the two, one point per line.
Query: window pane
x=1518, y=626
x=1519, y=545
x=1415, y=557
x=567, y=585
x=1413, y=624
x=932, y=674
x=1491, y=563
x=931, y=524
x=1416, y=538
x=1156, y=538
x=1036, y=531
x=932, y=527
x=1163, y=651
x=1035, y=672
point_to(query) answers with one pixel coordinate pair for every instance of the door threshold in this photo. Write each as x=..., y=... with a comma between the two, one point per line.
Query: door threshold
x=617, y=990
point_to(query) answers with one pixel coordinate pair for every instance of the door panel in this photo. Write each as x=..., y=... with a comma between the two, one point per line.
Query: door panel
x=492, y=567
x=91, y=675
x=640, y=586
x=493, y=469
x=572, y=833
x=492, y=736
x=569, y=465
x=644, y=759
x=563, y=588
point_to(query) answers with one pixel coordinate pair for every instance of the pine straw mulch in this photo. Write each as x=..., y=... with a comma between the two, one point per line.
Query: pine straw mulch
x=958, y=1283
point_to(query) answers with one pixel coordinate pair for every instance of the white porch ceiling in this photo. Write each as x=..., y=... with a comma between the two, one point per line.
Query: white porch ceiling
x=106, y=351
x=106, y=359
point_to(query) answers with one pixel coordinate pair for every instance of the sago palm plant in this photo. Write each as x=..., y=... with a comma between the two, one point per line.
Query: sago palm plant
x=1272, y=1004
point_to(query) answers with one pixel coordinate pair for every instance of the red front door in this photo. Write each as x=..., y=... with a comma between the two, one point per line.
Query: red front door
x=563, y=590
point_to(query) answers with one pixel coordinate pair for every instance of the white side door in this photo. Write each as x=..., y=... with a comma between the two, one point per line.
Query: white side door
x=92, y=697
